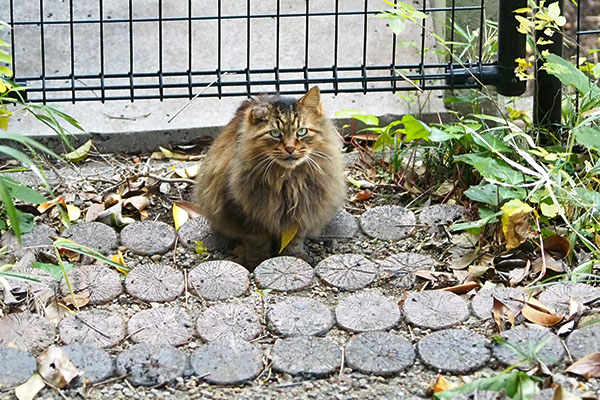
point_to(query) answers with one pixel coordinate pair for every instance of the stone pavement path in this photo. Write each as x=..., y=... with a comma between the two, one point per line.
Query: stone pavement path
x=215, y=321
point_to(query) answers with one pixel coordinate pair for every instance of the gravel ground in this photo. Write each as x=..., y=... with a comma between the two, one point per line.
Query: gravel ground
x=414, y=383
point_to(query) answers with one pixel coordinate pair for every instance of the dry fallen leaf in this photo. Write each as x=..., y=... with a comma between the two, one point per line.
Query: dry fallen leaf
x=499, y=311
x=118, y=258
x=515, y=223
x=93, y=211
x=287, y=236
x=462, y=288
x=30, y=389
x=191, y=208
x=557, y=245
x=442, y=384
x=587, y=366
x=56, y=368
x=539, y=317
x=76, y=299
x=180, y=216
x=363, y=195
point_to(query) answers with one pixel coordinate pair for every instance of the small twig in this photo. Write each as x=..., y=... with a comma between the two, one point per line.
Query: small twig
x=109, y=380
x=57, y=389
x=92, y=327
x=196, y=96
x=170, y=180
x=341, y=373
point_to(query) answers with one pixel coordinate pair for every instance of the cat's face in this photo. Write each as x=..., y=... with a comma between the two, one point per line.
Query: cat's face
x=284, y=131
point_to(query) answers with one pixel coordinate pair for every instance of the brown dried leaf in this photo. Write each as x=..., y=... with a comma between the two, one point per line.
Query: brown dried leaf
x=93, y=211
x=587, y=366
x=499, y=310
x=56, y=368
x=465, y=260
x=518, y=274
x=191, y=208
x=432, y=276
x=558, y=245
x=76, y=299
x=442, y=384
x=363, y=195
x=138, y=202
x=536, y=316
x=462, y=288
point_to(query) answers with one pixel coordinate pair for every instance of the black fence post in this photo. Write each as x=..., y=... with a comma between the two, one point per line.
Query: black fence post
x=547, y=97
x=511, y=45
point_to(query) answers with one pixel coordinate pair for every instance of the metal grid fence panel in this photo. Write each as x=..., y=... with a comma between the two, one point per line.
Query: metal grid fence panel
x=99, y=50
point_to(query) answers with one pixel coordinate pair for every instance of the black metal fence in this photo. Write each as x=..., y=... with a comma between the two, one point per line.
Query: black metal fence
x=100, y=50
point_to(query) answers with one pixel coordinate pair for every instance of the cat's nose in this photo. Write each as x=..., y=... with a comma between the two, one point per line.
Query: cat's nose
x=290, y=149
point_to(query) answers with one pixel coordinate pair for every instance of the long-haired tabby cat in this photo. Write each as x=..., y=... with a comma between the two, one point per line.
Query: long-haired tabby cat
x=276, y=167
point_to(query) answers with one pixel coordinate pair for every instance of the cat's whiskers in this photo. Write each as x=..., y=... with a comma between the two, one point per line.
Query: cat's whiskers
x=262, y=163
x=323, y=156
x=314, y=164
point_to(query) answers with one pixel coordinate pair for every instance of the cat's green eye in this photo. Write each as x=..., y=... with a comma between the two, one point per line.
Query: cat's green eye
x=301, y=132
x=276, y=134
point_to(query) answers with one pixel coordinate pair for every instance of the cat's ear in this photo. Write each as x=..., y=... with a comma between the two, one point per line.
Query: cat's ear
x=312, y=99
x=258, y=113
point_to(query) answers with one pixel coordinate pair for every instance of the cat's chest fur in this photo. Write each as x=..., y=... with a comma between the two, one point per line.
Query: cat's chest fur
x=281, y=199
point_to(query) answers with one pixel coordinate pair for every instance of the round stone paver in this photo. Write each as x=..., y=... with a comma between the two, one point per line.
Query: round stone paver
x=367, y=311
x=155, y=282
x=483, y=302
x=222, y=320
x=40, y=236
x=26, y=331
x=200, y=229
x=388, y=222
x=284, y=274
x=101, y=284
x=379, y=353
x=17, y=366
x=306, y=355
x=148, y=237
x=559, y=296
x=435, y=309
x=343, y=226
x=299, y=316
x=218, y=280
x=347, y=271
x=400, y=267
x=93, y=327
x=584, y=341
x=42, y=290
x=455, y=351
x=149, y=365
x=94, y=364
x=227, y=361
x=522, y=344
x=161, y=325
x=95, y=235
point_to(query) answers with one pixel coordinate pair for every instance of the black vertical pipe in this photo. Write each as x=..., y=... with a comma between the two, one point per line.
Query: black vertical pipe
x=511, y=45
x=547, y=97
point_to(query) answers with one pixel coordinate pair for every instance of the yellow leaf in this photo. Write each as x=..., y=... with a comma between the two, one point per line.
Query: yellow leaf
x=549, y=210
x=73, y=212
x=118, y=258
x=515, y=222
x=30, y=389
x=287, y=236
x=171, y=154
x=180, y=216
x=200, y=249
x=80, y=153
x=187, y=172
